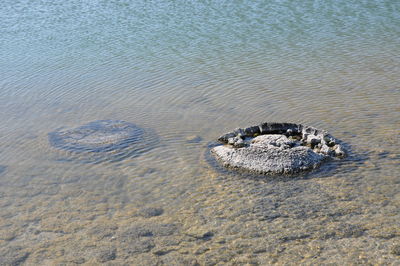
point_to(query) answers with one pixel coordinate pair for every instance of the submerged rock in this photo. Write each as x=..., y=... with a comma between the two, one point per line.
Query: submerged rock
x=104, y=140
x=276, y=148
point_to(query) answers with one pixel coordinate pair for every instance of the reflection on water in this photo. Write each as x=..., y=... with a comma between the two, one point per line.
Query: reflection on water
x=190, y=72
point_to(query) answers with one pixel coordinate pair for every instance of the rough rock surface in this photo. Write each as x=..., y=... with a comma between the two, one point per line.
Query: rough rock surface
x=276, y=148
x=104, y=140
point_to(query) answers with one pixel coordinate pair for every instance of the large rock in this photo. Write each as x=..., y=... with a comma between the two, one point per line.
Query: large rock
x=276, y=148
x=103, y=140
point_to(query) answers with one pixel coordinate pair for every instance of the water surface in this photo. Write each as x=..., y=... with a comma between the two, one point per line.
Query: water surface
x=193, y=71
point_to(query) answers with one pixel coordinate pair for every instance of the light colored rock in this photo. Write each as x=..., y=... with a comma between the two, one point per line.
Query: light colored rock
x=269, y=154
x=282, y=148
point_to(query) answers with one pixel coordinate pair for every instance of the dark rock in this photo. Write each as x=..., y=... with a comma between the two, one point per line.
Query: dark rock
x=252, y=131
x=226, y=137
x=278, y=128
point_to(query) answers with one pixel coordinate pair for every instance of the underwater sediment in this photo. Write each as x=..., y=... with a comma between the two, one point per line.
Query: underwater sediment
x=104, y=140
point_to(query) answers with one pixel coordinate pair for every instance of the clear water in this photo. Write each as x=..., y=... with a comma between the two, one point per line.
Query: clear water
x=193, y=70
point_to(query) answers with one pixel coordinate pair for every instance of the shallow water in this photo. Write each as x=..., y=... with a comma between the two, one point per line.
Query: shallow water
x=191, y=72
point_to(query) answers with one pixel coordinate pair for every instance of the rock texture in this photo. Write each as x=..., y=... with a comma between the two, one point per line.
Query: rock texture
x=276, y=148
x=103, y=140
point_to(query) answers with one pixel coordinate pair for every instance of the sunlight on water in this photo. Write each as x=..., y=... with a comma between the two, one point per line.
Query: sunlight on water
x=185, y=73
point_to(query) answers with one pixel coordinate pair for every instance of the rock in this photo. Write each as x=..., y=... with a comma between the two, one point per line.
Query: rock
x=339, y=152
x=236, y=142
x=276, y=148
x=269, y=154
x=313, y=140
x=104, y=140
x=279, y=141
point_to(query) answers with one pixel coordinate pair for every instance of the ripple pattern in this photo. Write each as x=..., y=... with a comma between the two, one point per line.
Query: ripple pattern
x=190, y=71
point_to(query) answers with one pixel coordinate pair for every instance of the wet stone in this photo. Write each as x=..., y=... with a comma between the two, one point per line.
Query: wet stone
x=276, y=148
x=104, y=140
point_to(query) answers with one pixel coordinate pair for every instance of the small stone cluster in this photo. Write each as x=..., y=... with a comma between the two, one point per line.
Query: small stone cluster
x=277, y=148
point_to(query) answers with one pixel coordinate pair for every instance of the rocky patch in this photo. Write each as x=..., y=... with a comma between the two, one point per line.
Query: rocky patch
x=277, y=148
